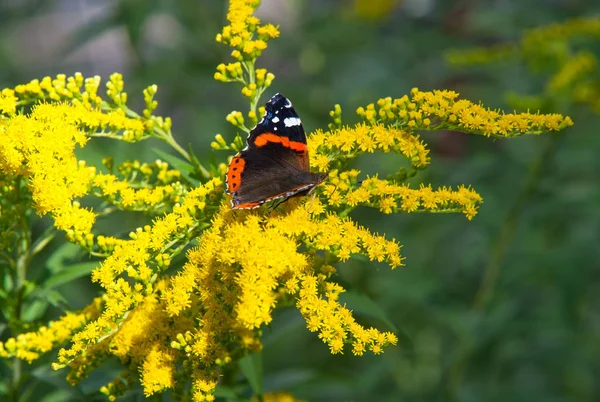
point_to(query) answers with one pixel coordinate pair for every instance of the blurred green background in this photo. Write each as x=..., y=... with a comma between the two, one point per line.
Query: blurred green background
x=503, y=308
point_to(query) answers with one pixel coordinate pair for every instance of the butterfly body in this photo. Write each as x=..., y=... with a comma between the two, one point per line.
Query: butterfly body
x=275, y=162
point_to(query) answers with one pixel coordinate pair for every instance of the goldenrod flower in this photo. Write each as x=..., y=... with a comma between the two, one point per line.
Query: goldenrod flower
x=181, y=329
x=280, y=396
x=30, y=346
x=443, y=110
x=552, y=49
x=8, y=102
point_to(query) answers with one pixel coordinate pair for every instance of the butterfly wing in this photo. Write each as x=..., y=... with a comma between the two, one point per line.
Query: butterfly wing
x=280, y=135
x=275, y=162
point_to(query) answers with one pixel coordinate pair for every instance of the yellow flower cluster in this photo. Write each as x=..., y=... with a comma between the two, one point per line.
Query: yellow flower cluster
x=442, y=110
x=535, y=42
x=118, y=121
x=61, y=88
x=30, y=346
x=41, y=148
x=140, y=259
x=8, y=102
x=139, y=191
x=242, y=269
x=188, y=326
x=123, y=195
x=242, y=28
x=343, y=189
x=280, y=396
x=548, y=49
x=481, y=55
x=349, y=142
x=537, y=39
x=144, y=340
x=576, y=67
x=248, y=39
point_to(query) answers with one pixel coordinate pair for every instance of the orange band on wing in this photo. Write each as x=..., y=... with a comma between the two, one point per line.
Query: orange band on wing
x=248, y=205
x=266, y=138
x=234, y=173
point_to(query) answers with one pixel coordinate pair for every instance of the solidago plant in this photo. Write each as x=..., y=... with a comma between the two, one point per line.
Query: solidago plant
x=562, y=53
x=185, y=327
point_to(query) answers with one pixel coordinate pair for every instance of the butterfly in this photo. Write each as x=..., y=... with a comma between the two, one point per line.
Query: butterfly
x=274, y=164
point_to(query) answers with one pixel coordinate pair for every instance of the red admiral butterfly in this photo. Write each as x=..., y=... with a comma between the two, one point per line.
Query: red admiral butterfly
x=275, y=162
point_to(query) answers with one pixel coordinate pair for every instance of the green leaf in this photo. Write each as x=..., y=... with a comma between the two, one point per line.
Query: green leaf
x=252, y=368
x=62, y=257
x=8, y=281
x=34, y=310
x=69, y=274
x=57, y=396
x=229, y=393
x=53, y=297
x=362, y=304
x=182, y=165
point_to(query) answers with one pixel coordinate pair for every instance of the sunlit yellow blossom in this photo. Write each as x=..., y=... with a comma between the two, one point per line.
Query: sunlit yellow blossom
x=157, y=371
x=280, y=396
x=8, y=102
x=203, y=388
x=577, y=66
x=555, y=48
x=238, y=300
x=389, y=197
x=334, y=322
x=242, y=28
x=135, y=258
x=121, y=193
x=29, y=346
x=450, y=113
x=177, y=324
x=535, y=38
x=365, y=138
x=41, y=148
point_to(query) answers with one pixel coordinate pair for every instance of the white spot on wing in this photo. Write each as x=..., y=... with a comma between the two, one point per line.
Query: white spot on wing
x=292, y=121
x=275, y=119
x=288, y=104
x=274, y=128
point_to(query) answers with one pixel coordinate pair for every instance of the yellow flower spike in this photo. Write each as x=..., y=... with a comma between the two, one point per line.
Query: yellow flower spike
x=235, y=118
x=29, y=346
x=8, y=102
x=463, y=115
x=236, y=54
x=575, y=68
x=198, y=319
x=368, y=139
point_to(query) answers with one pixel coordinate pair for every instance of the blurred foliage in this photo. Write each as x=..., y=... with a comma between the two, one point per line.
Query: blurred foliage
x=505, y=307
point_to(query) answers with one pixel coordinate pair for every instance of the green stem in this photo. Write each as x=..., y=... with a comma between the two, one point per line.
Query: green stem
x=504, y=239
x=492, y=270
x=22, y=262
x=159, y=132
x=168, y=138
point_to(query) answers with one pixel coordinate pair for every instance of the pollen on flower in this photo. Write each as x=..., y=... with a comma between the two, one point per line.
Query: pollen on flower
x=158, y=371
x=366, y=138
x=8, y=102
x=29, y=346
x=452, y=113
x=242, y=27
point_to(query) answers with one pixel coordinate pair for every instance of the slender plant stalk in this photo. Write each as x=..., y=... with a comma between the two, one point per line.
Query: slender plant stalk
x=492, y=270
